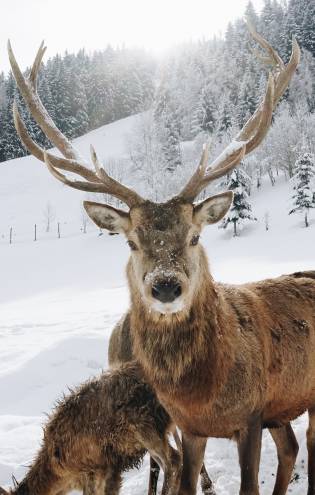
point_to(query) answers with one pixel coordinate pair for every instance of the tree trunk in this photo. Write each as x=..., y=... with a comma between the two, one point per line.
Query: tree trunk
x=306, y=219
x=235, y=231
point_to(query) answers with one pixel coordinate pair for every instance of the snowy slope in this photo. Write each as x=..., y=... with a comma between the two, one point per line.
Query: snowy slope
x=59, y=299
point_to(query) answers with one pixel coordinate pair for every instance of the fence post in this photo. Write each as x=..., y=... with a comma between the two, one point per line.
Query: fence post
x=58, y=230
x=35, y=232
x=10, y=235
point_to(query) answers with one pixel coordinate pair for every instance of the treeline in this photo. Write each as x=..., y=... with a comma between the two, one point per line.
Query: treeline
x=81, y=92
x=210, y=87
x=215, y=84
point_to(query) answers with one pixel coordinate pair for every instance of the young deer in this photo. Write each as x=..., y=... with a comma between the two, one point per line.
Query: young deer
x=99, y=431
x=225, y=361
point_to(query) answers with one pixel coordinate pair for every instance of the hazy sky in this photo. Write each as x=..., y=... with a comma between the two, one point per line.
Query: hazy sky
x=73, y=24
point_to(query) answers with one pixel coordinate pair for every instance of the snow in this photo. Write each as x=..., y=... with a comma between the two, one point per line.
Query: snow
x=232, y=148
x=59, y=300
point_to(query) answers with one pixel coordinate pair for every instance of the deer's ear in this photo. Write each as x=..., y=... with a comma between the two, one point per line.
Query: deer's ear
x=107, y=217
x=211, y=210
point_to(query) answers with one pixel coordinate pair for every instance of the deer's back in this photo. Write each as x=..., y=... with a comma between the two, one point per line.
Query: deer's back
x=97, y=424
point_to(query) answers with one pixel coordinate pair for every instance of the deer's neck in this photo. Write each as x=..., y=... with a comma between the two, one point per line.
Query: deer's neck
x=40, y=479
x=190, y=354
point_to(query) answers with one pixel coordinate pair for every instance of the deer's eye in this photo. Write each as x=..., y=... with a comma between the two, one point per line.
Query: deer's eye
x=195, y=239
x=132, y=245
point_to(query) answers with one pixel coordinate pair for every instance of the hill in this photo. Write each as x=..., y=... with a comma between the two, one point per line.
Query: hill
x=59, y=299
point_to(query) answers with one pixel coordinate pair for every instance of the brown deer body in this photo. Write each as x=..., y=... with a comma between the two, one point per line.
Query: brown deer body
x=225, y=361
x=99, y=431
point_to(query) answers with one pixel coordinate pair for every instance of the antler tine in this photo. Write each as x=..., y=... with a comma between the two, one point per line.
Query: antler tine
x=198, y=175
x=38, y=152
x=284, y=77
x=35, y=106
x=97, y=165
x=36, y=65
x=256, y=128
x=97, y=187
x=106, y=186
x=260, y=121
x=274, y=56
x=129, y=196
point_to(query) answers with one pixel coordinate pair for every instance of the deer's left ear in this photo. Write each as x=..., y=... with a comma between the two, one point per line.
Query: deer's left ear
x=211, y=210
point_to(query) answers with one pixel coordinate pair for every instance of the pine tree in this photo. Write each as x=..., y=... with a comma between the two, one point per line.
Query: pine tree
x=10, y=145
x=241, y=210
x=303, y=197
x=168, y=128
x=308, y=27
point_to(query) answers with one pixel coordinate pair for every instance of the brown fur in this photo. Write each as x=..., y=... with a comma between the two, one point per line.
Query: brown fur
x=99, y=431
x=120, y=352
x=244, y=348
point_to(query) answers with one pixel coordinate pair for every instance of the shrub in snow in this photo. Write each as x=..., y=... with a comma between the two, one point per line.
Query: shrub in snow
x=303, y=197
x=241, y=210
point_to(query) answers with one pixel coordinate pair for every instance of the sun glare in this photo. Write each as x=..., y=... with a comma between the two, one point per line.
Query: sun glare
x=72, y=24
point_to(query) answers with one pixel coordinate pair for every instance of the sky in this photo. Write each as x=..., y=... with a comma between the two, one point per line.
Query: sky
x=92, y=24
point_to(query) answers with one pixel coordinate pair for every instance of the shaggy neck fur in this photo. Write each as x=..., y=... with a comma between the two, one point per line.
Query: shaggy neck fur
x=175, y=349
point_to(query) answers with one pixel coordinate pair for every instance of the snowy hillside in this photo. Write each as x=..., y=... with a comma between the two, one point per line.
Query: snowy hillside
x=59, y=299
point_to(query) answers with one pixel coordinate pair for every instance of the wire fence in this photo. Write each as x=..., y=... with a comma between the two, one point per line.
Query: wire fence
x=36, y=232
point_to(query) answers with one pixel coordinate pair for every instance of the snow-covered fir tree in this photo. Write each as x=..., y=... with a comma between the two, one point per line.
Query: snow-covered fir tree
x=168, y=128
x=304, y=179
x=241, y=210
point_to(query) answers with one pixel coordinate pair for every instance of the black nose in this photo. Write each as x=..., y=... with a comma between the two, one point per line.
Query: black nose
x=166, y=291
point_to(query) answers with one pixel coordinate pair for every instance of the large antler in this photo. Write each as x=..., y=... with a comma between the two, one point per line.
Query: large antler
x=95, y=181
x=254, y=130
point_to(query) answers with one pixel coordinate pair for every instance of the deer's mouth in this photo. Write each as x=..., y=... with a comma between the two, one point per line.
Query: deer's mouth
x=168, y=308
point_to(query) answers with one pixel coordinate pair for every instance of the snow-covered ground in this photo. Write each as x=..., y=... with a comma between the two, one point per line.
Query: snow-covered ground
x=59, y=299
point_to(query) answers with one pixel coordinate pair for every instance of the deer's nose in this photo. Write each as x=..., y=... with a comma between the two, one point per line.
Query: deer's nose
x=166, y=291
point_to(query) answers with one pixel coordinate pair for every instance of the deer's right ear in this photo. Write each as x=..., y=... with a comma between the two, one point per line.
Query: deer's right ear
x=107, y=217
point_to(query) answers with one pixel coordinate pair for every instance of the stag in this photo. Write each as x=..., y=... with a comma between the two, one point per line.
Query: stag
x=225, y=361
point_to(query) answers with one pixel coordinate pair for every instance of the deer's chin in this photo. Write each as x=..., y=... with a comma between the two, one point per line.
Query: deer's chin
x=168, y=308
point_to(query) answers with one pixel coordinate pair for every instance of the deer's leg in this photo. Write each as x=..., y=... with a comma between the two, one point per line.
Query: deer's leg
x=206, y=483
x=154, y=476
x=311, y=452
x=193, y=454
x=249, y=447
x=169, y=459
x=287, y=450
x=88, y=484
x=93, y=484
x=112, y=482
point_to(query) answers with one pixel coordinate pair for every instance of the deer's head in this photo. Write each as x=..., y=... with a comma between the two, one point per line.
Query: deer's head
x=166, y=259
x=165, y=255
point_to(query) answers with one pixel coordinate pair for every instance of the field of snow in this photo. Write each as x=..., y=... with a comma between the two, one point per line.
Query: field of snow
x=59, y=299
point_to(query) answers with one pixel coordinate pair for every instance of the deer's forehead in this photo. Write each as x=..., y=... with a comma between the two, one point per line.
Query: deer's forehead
x=162, y=224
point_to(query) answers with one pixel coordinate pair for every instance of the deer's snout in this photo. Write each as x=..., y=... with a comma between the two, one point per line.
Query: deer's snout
x=166, y=291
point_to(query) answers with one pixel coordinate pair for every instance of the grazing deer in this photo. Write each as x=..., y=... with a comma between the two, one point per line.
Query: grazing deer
x=99, y=431
x=225, y=361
